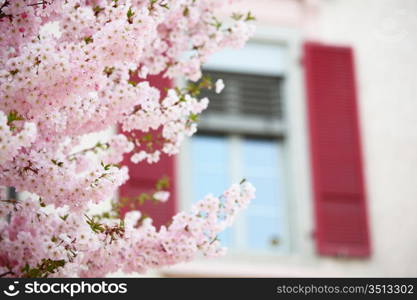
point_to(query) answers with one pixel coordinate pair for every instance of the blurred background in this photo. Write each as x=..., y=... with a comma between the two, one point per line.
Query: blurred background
x=320, y=114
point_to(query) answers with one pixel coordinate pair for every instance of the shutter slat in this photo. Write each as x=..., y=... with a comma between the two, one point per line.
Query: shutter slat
x=338, y=181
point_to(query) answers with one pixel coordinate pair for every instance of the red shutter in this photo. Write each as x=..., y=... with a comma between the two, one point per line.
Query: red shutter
x=143, y=176
x=335, y=146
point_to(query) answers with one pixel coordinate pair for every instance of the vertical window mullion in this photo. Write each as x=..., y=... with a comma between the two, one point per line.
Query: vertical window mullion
x=236, y=175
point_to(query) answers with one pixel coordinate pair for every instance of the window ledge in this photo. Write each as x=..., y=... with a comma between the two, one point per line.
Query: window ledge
x=228, y=269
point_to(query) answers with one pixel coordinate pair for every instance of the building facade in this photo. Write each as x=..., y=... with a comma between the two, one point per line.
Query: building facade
x=319, y=113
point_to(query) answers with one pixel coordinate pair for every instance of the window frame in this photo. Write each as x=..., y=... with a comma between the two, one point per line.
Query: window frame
x=296, y=156
x=234, y=143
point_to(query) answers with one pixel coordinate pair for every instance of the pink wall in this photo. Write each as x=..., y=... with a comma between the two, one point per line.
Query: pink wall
x=301, y=14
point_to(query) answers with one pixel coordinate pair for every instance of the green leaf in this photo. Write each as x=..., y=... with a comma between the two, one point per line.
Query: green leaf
x=237, y=16
x=143, y=197
x=95, y=226
x=88, y=39
x=147, y=137
x=206, y=82
x=57, y=163
x=162, y=184
x=130, y=13
x=25, y=268
x=97, y=9
x=133, y=83
x=164, y=5
x=193, y=89
x=193, y=117
x=216, y=23
x=13, y=116
x=106, y=167
x=43, y=269
x=250, y=17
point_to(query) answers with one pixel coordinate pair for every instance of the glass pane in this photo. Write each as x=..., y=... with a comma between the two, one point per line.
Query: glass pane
x=263, y=166
x=263, y=234
x=210, y=172
x=209, y=165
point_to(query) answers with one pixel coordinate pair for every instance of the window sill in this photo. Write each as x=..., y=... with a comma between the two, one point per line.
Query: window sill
x=209, y=268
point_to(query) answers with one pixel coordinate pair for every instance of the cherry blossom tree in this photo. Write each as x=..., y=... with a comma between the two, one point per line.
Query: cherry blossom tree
x=66, y=70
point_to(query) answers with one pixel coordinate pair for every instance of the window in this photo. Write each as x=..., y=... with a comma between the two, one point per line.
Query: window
x=242, y=135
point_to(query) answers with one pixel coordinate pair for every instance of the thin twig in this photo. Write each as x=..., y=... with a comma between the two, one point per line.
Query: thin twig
x=6, y=273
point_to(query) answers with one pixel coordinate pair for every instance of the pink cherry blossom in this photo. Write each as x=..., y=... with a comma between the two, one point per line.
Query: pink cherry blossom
x=219, y=86
x=66, y=70
x=161, y=196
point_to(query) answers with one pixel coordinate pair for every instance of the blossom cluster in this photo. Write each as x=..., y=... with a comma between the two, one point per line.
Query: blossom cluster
x=72, y=68
x=11, y=143
x=32, y=232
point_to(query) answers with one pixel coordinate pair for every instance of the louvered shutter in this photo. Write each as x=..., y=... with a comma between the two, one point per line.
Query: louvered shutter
x=338, y=181
x=249, y=104
x=248, y=95
x=143, y=176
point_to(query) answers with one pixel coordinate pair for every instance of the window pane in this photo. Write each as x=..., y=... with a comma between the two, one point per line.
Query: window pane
x=209, y=165
x=263, y=166
x=210, y=172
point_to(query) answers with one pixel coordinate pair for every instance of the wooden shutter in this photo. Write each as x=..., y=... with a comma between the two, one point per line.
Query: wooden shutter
x=143, y=176
x=335, y=147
